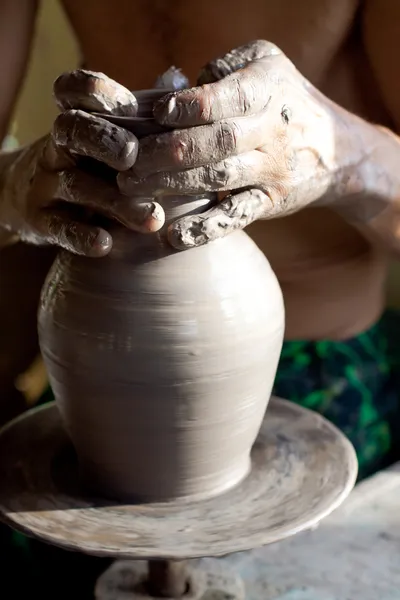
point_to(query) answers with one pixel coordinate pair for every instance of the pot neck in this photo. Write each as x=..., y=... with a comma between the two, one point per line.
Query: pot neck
x=176, y=207
x=128, y=245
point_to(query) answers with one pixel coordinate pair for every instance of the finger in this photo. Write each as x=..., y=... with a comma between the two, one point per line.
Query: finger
x=93, y=92
x=236, y=59
x=236, y=172
x=234, y=212
x=80, y=238
x=240, y=94
x=50, y=156
x=243, y=92
x=82, y=189
x=80, y=133
x=199, y=146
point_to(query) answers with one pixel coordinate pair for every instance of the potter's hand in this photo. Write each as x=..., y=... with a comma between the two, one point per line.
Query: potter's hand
x=50, y=196
x=255, y=126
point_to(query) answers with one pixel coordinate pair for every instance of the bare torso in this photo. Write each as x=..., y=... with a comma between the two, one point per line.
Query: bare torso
x=333, y=281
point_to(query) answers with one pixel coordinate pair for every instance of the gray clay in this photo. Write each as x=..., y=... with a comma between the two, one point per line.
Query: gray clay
x=162, y=362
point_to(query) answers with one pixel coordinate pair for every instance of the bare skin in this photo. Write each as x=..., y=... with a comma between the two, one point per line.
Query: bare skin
x=325, y=265
x=45, y=193
x=330, y=266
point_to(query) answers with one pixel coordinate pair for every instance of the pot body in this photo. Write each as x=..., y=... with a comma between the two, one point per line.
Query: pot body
x=162, y=362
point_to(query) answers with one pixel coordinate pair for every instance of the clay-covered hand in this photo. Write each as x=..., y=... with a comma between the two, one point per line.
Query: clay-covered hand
x=255, y=127
x=53, y=194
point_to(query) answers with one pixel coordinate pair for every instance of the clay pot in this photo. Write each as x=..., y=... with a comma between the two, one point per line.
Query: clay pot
x=162, y=362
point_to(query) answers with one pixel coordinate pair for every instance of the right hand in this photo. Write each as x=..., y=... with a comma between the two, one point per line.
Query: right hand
x=49, y=197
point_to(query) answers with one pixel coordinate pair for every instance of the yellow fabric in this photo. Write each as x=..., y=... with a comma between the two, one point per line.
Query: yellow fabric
x=34, y=382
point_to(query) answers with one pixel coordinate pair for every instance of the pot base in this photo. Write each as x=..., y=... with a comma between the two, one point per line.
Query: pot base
x=92, y=487
x=302, y=469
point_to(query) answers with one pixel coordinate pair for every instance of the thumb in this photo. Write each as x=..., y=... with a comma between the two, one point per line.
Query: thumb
x=93, y=92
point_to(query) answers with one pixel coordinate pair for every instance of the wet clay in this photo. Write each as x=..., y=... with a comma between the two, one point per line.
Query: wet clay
x=162, y=362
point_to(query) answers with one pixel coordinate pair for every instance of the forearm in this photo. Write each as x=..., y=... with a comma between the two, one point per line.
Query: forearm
x=366, y=184
x=23, y=269
x=17, y=21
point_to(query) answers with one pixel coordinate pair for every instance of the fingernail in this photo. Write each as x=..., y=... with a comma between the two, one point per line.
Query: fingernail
x=101, y=245
x=152, y=226
x=155, y=211
x=155, y=217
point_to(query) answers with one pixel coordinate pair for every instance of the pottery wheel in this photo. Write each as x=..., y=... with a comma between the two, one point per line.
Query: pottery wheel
x=302, y=469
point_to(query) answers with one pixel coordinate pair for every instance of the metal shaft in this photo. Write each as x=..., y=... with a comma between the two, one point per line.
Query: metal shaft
x=167, y=578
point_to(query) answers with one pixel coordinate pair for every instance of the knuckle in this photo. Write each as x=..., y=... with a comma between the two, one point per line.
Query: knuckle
x=69, y=230
x=246, y=91
x=66, y=117
x=165, y=181
x=64, y=127
x=188, y=148
x=181, y=146
x=68, y=183
x=244, y=207
x=239, y=57
x=227, y=134
x=257, y=50
x=224, y=175
x=205, y=101
x=51, y=226
x=263, y=48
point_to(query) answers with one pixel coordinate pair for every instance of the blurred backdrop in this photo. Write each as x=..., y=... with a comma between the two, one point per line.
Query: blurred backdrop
x=55, y=51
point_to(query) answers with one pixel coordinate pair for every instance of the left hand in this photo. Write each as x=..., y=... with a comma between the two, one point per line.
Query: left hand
x=256, y=126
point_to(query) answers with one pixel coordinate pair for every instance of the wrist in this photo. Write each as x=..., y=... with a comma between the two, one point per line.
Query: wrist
x=366, y=177
x=8, y=235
